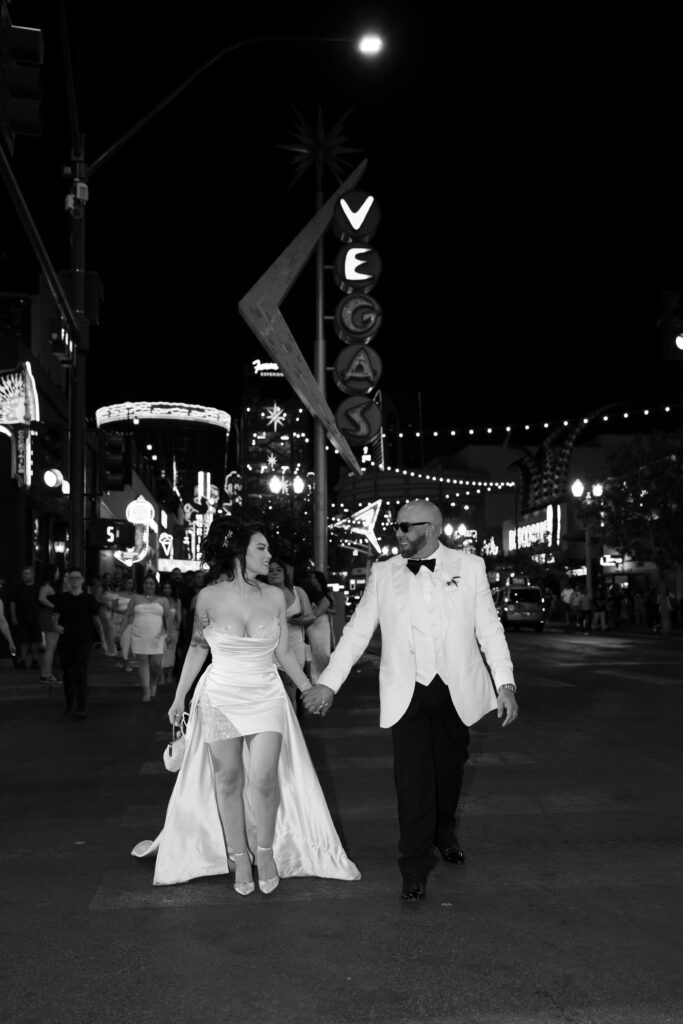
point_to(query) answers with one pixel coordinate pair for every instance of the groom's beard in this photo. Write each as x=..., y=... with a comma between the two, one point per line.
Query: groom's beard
x=408, y=548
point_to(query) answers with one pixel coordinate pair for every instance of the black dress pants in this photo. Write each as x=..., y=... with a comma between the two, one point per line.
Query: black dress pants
x=430, y=750
x=73, y=657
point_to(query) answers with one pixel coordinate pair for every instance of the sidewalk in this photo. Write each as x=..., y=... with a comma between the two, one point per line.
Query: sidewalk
x=103, y=676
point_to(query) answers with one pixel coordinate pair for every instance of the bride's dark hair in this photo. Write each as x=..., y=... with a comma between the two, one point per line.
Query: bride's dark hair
x=225, y=543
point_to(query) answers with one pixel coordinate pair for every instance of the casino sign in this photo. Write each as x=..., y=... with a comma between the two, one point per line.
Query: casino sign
x=358, y=316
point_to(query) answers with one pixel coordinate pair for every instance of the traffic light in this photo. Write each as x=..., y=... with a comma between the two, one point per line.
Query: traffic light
x=61, y=341
x=672, y=325
x=51, y=454
x=115, y=461
x=21, y=49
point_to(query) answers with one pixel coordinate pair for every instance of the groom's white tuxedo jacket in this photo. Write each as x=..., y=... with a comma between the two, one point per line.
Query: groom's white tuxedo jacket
x=470, y=627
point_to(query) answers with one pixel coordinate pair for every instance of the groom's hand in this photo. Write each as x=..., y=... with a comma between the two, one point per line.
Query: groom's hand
x=507, y=706
x=318, y=699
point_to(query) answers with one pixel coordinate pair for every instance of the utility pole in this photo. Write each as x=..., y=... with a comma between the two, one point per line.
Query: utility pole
x=75, y=205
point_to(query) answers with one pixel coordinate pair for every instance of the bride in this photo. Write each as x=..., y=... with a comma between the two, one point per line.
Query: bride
x=247, y=794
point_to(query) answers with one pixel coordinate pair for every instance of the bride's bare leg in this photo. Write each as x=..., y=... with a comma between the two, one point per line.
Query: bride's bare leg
x=228, y=774
x=264, y=754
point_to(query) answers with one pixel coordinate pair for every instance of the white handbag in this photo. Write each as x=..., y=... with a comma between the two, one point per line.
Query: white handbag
x=175, y=750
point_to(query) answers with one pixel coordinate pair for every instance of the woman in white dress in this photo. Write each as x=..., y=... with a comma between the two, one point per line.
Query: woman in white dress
x=48, y=590
x=121, y=624
x=168, y=590
x=247, y=793
x=299, y=615
x=105, y=594
x=319, y=633
x=150, y=618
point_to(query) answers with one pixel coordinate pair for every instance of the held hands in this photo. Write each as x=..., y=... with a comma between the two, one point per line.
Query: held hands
x=318, y=699
x=507, y=706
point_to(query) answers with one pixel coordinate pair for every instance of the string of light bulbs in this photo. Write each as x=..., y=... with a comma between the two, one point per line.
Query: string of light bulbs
x=510, y=428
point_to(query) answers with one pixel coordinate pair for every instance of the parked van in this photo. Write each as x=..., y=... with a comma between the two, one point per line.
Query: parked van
x=520, y=604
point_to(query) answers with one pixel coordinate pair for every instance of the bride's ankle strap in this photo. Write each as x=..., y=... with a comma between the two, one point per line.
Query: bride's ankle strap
x=266, y=849
x=245, y=853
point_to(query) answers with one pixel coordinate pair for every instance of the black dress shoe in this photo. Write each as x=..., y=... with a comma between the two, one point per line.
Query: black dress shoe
x=413, y=889
x=452, y=854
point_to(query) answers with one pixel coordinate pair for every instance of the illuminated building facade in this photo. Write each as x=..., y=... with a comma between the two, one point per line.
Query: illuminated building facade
x=276, y=451
x=183, y=449
x=34, y=442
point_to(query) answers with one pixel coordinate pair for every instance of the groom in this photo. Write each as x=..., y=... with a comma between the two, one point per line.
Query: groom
x=436, y=614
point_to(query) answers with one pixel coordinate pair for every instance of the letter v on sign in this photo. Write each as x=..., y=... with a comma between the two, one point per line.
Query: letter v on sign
x=356, y=218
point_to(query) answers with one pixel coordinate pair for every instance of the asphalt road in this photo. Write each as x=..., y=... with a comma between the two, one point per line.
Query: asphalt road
x=567, y=910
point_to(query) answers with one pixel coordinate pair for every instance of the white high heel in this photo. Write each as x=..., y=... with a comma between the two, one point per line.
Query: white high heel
x=243, y=888
x=268, y=885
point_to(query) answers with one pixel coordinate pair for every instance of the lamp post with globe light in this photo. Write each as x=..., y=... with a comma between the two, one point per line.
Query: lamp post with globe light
x=585, y=497
x=317, y=150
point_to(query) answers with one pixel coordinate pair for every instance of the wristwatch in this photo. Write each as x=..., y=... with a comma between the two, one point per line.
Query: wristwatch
x=508, y=686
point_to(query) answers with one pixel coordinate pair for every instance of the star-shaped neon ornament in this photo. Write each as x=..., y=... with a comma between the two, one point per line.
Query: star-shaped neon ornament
x=276, y=416
x=362, y=522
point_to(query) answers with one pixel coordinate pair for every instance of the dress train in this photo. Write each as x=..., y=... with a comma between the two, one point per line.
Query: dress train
x=192, y=844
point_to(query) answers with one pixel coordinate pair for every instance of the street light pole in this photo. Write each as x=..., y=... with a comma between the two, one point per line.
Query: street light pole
x=76, y=317
x=319, y=369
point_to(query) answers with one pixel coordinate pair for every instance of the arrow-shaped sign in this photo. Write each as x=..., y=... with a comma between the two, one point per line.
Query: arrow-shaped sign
x=260, y=308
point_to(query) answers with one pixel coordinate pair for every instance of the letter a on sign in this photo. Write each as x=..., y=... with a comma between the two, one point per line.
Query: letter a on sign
x=361, y=369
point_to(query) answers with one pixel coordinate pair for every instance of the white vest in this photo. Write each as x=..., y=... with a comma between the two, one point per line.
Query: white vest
x=426, y=615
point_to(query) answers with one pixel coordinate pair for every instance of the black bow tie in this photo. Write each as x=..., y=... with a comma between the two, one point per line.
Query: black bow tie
x=414, y=564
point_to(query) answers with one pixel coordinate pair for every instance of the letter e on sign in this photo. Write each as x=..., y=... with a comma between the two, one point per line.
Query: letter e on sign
x=357, y=268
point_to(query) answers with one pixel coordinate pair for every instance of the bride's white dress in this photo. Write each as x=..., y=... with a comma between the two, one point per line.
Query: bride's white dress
x=241, y=693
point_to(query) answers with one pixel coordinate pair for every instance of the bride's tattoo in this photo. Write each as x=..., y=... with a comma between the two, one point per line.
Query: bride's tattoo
x=198, y=627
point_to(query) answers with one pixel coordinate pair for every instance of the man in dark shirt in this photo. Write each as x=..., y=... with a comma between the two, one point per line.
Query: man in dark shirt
x=24, y=614
x=77, y=618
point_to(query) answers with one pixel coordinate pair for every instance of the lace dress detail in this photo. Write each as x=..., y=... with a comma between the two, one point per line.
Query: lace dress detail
x=215, y=725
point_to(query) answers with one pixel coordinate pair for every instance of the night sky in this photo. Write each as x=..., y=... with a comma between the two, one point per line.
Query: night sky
x=527, y=164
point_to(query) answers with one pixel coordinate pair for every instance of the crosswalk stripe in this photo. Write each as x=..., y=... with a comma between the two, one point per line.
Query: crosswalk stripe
x=640, y=677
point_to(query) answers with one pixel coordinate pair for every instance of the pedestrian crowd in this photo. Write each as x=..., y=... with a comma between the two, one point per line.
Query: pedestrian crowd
x=610, y=607
x=142, y=623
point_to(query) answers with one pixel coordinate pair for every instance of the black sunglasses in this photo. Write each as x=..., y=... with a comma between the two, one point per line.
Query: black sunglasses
x=404, y=527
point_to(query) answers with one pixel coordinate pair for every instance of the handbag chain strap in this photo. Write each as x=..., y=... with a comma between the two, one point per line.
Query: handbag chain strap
x=179, y=730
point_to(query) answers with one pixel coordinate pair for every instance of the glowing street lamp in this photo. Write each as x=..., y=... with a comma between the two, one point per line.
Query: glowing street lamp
x=53, y=478
x=370, y=45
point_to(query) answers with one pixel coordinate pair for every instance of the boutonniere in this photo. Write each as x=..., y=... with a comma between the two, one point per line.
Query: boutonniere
x=453, y=581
